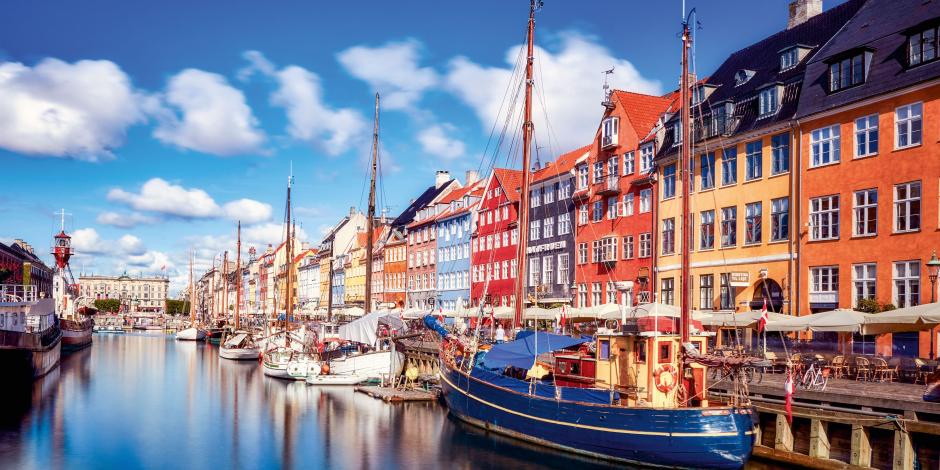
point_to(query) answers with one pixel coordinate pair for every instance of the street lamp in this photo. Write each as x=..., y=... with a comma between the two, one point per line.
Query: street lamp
x=933, y=268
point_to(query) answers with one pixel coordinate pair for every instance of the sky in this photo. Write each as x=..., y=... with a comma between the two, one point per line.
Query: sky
x=158, y=125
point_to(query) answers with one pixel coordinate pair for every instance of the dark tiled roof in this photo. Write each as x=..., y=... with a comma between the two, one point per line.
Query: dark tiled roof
x=408, y=215
x=881, y=26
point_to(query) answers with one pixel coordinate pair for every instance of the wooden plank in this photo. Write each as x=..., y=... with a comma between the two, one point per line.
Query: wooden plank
x=903, y=451
x=784, y=439
x=861, y=446
x=819, y=439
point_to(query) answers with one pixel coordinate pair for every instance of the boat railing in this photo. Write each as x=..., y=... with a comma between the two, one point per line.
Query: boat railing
x=18, y=293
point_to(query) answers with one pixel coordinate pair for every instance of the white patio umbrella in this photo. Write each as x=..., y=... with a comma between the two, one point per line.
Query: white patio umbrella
x=916, y=318
x=839, y=320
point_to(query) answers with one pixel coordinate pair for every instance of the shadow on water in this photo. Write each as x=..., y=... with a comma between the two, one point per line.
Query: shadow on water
x=147, y=401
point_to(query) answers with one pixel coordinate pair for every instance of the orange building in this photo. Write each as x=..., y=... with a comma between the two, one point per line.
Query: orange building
x=870, y=164
x=395, y=269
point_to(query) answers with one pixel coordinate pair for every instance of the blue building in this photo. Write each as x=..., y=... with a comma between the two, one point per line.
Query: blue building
x=339, y=281
x=454, y=227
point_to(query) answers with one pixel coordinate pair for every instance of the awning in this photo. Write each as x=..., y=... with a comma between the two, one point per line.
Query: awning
x=841, y=320
x=738, y=320
x=917, y=318
x=522, y=352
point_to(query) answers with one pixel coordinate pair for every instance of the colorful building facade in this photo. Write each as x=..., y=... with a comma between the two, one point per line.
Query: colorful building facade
x=493, y=247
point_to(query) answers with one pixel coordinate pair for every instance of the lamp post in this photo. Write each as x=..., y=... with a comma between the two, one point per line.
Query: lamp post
x=933, y=268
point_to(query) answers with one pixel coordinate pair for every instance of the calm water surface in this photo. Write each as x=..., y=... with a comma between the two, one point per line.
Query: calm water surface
x=148, y=401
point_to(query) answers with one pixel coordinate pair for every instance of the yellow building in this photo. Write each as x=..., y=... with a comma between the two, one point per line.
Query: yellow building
x=355, y=289
x=324, y=281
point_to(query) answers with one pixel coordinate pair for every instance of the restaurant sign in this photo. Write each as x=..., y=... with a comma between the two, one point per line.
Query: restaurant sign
x=739, y=279
x=559, y=245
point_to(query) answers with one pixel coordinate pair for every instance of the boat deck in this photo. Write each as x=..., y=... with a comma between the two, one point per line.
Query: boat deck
x=394, y=395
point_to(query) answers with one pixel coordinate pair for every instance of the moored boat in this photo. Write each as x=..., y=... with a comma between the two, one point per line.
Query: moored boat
x=239, y=345
x=76, y=334
x=76, y=325
x=30, y=337
x=191, y=334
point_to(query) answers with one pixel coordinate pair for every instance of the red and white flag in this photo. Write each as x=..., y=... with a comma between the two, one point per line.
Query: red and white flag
x=564, y=316
x=763, y=317
x=788, y=388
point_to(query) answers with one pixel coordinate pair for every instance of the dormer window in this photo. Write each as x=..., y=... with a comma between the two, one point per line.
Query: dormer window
x=609, y=130
x=677, y=133
x=769, y=100
x=788, y=59
x=922, y=46
x=720, y=115
x=701, y=93
x=742, y=76
x=849, y=71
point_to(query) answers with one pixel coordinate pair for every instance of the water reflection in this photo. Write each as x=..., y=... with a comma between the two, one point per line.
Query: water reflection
x=147, y=401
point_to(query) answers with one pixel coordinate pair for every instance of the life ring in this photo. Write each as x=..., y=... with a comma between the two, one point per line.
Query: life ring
x=612, y=324
x=669, y=383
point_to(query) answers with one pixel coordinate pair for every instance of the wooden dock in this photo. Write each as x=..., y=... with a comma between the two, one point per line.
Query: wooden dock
x=849, y=425
x=396, y=395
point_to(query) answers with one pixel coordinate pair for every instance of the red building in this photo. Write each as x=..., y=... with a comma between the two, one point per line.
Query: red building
x=422, y=246
x=493, y=247
x=614, y=202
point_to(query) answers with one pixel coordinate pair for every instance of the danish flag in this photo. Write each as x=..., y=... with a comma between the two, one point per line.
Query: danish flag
x=763, y=317
x=788, y=388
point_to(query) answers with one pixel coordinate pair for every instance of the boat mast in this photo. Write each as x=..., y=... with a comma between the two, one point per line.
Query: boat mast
x=192, y=291
x=288, y=307
x=371, y=212
x=238, y=273
x=212, y=291
x=225, y=284
x=527, y=128
x=684, y=159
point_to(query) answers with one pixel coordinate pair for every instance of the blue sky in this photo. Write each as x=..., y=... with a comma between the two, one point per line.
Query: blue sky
x=157, y=124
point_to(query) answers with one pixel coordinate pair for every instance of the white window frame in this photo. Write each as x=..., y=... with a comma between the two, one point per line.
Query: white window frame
x=548, y=269
x=646, y=158
x=909, y=126
x=824, y=218
x=906, y=287
x=866, y=136
x=824, y=279
x=548, y=227
x=824, y=146
x=769, y=101
x=563, y=269
x=564, y=223
x=904, y=207
x=646, y=200
x=629, y=163
x=864, y=210
x=645, y=249
x=864, y=282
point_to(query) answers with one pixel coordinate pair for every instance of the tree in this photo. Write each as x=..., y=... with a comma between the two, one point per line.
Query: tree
x=873, y=306
x=108, y=305
x=176, y=307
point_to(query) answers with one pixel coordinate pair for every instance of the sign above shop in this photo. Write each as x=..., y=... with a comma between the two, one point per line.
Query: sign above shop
x=739, y=279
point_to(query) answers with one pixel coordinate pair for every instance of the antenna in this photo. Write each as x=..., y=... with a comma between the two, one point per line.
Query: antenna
x=607, y=74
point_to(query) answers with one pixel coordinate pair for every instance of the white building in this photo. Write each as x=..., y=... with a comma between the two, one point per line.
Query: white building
x=137, y=295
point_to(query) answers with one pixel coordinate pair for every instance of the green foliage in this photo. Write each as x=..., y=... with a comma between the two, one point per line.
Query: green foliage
x=5, y=274
x=873, y=306
x=177, y=307
x=108, y=305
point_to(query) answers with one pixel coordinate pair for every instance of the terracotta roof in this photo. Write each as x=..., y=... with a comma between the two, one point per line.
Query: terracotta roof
x=510, y=180
x=644, y=110
x=563, y=164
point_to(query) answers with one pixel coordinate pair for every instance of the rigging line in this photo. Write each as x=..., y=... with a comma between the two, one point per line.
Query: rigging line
x=503, y=105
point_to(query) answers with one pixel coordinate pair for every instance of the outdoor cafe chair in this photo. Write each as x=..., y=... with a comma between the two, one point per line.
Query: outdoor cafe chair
x=922, y=370
x=838, y=366
x=862, y=368
x=883, y=371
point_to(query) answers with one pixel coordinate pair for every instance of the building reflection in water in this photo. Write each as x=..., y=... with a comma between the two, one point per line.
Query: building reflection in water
x=147, y=401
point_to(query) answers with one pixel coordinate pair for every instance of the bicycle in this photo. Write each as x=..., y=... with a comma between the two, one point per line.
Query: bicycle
x=815, y=378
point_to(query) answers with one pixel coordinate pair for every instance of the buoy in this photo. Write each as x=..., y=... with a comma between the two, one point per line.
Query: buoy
x=324, y=369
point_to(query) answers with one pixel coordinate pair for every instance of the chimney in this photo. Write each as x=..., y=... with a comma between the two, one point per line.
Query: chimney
x=441, y=178
x=352, y=211
x=802, y=10
x=472, y=177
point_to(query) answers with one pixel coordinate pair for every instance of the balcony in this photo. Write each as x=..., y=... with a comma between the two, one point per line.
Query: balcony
x=610, y=186
x=609, y=140
x=581, y=194
x=824, y=299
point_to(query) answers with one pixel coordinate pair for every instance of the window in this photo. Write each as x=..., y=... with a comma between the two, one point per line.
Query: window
x=536, y=198
x=596, y=293
x=564, y=190
x=729, y=226
x=582, y=176
x=742, y=76
x=669, y=236
x=646, y=158
x=779, y=219
x=824, y=145
x=534, y=229
x=611, y=293
x=505, y=212
x=677, y=133
x=563, y=269
x=754, y=161
x=548, y=227
x=582, y=214
x=847, y=72
x=907, y=207
x=598, y=172
x=707, y=170
x=909, y=123
x=628, y=247
x=628, y=204
x=824, y=218
x=825, y=280
x=752, y=223
x=906, y=283
x=646, y=245
x=612, y=208
x=582, y=295
x=707, y=230
x=866, y=136
x=613, y=166
x=780, y=153
x=667, y=291
x=609, y=131
x=726, y=296
x=669, y=181
x=865, y=213
x=628, y=163
x=564, y=224
x=605, y=250
x=789, y=58
x=706, y=290
x=729, y=166
x=505, y=270
x=534, y=271
x=548, y=194
x=598, y=213
x=582, y=253
x=769, y=100
x=863, y=282
x=514, y=236
x=922, y=46
x=645, y=200
x=719, y=122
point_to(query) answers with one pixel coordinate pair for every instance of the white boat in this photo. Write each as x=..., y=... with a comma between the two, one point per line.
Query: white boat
x=192, y=334
x=240, y=346
x=335, y=379
x=370, y=365
x=286, y=363
x=30, y=338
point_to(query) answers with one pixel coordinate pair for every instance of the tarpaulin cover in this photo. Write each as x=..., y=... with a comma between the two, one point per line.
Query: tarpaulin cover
x=363, y=330
x=522, y=352
x=584, y=395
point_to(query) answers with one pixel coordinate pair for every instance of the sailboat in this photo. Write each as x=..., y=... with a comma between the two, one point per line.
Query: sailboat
x=663, y=418
x=240, y=343
x=76, y=326
x=194, y=332
x=379, y=360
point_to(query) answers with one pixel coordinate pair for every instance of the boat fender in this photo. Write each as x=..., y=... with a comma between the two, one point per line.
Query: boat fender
x=324, y=369
x=666, y=382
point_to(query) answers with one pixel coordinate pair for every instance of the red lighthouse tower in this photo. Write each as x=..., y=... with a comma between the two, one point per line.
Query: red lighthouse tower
x=63, y=246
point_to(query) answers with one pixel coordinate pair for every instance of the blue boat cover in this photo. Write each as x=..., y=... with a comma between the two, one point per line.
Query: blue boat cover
x=522, y=352
x=583, y=395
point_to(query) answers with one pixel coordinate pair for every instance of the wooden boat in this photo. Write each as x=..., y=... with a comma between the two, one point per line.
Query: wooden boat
x=77, y=327
x=193, y=332
x=30, y=338
x=335, y=379
x=239, y=346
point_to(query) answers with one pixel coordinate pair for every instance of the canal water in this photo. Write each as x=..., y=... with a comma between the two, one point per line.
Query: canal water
x=148, y=401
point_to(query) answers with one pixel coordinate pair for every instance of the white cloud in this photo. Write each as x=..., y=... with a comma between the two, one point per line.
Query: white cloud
x=150, y=261
x=158, y=195
x=310, y=119
x=213, y=116
x=80, y=110
x=248, y=211
x=392, y=70
x=569, y=79
x=124, y=220
x=87, y=241
x=270, y=233
x=434, y=140
x=131, y=245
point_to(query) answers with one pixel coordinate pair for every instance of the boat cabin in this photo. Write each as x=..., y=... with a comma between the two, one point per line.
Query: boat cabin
x=575, y=369
x=645, y=367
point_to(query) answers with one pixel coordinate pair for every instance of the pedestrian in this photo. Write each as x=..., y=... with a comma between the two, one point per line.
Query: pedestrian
x=500, y=334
